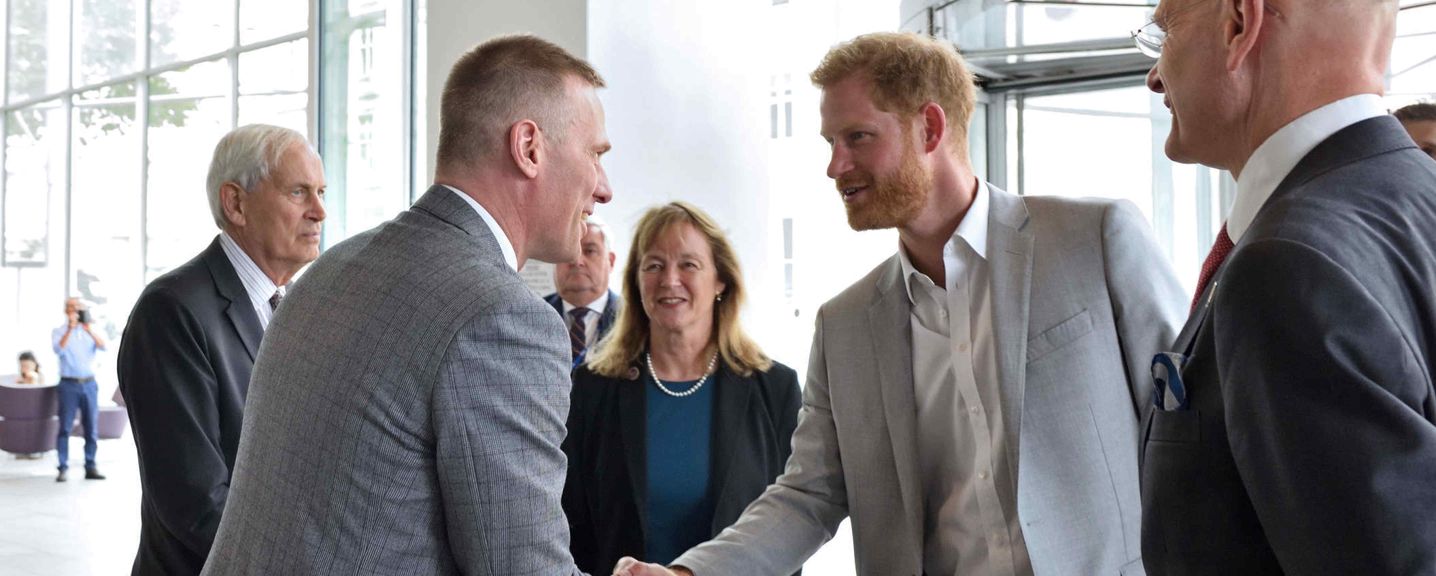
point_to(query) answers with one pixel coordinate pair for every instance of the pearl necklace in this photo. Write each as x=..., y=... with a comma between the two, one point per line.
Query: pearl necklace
x=654, y=373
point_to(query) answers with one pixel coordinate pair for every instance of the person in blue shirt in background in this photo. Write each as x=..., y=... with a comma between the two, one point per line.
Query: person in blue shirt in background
x=76, y=345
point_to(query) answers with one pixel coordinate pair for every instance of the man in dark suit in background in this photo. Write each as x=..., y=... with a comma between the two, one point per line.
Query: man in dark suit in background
x=1295, y=425
x=186, y=356
x=583, y=299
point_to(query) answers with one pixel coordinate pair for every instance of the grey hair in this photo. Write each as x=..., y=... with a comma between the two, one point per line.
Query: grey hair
x=246, y=156
x=596, y=222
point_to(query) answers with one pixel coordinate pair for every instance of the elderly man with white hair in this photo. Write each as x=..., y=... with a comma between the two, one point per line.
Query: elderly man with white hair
x=191, y=341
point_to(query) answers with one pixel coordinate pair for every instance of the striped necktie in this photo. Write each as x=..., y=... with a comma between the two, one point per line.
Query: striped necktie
x=578, y=330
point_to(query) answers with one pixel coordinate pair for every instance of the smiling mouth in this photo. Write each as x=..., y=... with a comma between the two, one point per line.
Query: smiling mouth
x=850, y=192
x=671, y=300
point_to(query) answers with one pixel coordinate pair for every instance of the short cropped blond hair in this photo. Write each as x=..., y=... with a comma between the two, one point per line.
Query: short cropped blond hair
x=623, y=345
x=907, y=70
x=500, y=82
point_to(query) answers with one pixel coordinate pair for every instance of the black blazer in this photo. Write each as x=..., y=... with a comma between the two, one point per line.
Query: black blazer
x=1309, y=446
x=184, y=365
x=604, y=496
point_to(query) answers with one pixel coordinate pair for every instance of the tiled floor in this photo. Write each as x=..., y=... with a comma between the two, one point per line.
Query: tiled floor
x=78, y=528
x=91, y=527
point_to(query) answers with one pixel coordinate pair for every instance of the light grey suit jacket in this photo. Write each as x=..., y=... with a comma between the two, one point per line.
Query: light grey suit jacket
x=405, y=414
x=1081, y=300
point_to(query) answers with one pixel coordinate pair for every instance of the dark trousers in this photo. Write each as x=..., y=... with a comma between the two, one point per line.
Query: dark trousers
x=82, y=396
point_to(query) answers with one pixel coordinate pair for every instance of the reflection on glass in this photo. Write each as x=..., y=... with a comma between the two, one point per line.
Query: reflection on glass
x=105, y=204
x=182, y=30
x=364, y=139
x=260, y=20
x=189, y=112
x=105, y=30
x=280, y=69
x=38, y=48
x=34, y=171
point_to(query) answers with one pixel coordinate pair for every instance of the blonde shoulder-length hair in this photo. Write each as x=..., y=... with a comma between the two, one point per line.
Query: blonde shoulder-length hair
x=621, y=348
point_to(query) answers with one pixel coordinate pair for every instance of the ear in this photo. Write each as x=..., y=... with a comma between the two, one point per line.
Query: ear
x=526, y=147
x=231, y=202
x=934, y=125
x=1242, y=26
x=612, y=258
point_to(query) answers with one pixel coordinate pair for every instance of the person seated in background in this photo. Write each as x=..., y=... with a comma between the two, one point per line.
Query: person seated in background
x=582, y=296
x=678, y=420
x=30, y=370
x=1419, y=120
x=29, y=375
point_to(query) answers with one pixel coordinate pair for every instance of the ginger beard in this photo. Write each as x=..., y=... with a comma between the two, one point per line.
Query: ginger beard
x=895, y=198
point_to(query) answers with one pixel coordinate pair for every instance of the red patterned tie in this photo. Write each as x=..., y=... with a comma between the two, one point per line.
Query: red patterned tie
x=1220, y=249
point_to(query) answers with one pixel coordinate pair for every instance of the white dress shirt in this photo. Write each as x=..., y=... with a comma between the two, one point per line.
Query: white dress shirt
x=1276, y=157
x=256, y=284
x=590, y=320
x=969, y=493
x=505, y=245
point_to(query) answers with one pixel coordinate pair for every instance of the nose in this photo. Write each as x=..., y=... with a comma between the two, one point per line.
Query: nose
x=602, y=193
x=669, y=276
x=1154, y=80
x=316, y=211
x=839, y=164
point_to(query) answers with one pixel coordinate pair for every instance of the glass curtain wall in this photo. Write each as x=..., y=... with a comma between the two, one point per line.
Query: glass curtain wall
x=110, y=113
x=366, y=125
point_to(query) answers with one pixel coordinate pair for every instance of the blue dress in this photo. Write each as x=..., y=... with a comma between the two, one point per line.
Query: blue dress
x=680, y=503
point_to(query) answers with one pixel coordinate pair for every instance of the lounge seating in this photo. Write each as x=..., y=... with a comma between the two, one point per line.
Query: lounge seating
x=28, y=423
x=27, y=418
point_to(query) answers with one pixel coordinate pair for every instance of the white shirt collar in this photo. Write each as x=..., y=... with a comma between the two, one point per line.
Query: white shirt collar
x=595, y=307
x=256, y=283
x=971, y=231
x=504, y=244
x=1280, y=153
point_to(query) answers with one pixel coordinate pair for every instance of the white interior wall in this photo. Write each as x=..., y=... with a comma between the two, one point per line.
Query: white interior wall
x=454, y=26
x=687, y=118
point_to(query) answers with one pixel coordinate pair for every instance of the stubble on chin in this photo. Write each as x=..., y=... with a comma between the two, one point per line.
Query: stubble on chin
x=895, y=200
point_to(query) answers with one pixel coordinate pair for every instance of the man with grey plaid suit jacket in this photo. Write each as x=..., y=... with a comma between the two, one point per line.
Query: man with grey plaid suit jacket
x=408, y=402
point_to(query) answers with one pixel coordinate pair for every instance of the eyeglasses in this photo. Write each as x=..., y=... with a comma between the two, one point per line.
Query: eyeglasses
x=1149, y=39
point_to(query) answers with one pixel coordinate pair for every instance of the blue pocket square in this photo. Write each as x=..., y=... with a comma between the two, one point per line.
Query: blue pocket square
x=1170, y=392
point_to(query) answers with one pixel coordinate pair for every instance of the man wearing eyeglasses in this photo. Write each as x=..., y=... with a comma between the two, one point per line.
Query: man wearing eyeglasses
x=1295, y=422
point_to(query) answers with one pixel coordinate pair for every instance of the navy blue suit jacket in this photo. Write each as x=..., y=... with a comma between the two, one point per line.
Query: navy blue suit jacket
x=605, y=321
x=184, y=366
x=1309, y=446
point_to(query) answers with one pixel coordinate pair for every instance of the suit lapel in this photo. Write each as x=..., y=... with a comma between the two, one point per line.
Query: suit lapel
x=731, y=395
x=890, y=329
x=632, y=426
x=1010, y=250
x=238, y=309
x=610, y=311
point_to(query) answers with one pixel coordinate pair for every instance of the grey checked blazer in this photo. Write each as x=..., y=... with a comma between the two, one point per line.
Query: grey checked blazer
x=1081, y=300
x=405, y=414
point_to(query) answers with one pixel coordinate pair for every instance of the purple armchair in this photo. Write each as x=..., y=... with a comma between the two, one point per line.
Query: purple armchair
x=28, y=423
x=27, y=418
